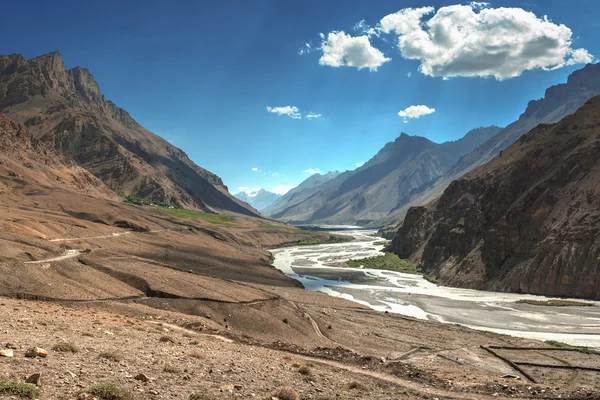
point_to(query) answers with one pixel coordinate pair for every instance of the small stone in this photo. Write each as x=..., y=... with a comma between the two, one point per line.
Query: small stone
x=6, y=353
x=36, y=352
x=237, y=386
x=11, y=346
x=36, y=379
x=143, y=378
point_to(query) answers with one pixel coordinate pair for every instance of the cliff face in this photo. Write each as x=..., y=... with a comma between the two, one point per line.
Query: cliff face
x=528, y=221
x=367, y=194
x=66, y=109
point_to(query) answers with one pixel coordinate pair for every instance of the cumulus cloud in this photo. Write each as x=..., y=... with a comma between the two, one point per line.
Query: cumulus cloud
x=415, y=112
x=255, y=169
x=311, y=115
x=340, y=49
x=365, y=29
x=290, y=111
x=312, y=171
x=474, y=40
x=282, y=189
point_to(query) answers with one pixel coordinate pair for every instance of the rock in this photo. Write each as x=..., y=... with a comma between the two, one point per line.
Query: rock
x=36, y=352
x=11, y=346
x=35, y=379
x=237, y=386
x=6, y=353
x=143, y=378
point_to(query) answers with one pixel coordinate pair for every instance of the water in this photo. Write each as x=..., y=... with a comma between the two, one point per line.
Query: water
x=414, y=296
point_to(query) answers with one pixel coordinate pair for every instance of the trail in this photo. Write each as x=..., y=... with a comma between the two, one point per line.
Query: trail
x=191, y=332
x=111, y=236
x=68, y=254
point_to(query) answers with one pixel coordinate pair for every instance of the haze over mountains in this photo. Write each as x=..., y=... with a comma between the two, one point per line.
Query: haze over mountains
x=66, y=110
x=258, y=199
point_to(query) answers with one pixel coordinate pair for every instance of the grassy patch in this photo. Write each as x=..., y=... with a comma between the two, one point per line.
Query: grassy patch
x=23, y=390
x=430, y=278
x=110, y=391
x=110, y=356
x=387, y=261
x=280, y=228
x=556, y=303
x=218, y=219
x=562, y=345
x=140, y=201
x=330, y=240
x=65, y=347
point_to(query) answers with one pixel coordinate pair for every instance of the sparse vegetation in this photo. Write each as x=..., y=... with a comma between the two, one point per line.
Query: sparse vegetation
x=110, y=356
x=166, y=339
x=562, y=345
x=556, y=303
x=282, y=228
x=430, y=278
x=23, y=390
x=387, y=261
x=65, y=347
x=196, y=355
x=354, y=385
x=140, y=201
x=306, y=371
x=331, y=240
x=170, y=369
x=110, y=391
x=217, y=219
x=286, y=393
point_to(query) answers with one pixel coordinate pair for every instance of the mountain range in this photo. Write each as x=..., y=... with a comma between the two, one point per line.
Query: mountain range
x=526, y=221
x=368, y=193
x=258, y=199
x=66, y=110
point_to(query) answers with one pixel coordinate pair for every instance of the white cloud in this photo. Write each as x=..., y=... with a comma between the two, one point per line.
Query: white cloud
x=340, y=49
x=365, y=29
x=282, y=189
x=249, y=191
x=311, y=115
x=409, y=74
x=255, y=169
x=290, y=111
x=359, y=164
x=306, y=49
x=478, y=5
x=415, y=112
x=472, y=40
x=312, y=171
x=275, y=174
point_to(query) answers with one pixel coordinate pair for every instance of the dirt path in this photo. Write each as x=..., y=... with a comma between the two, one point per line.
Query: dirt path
x=68, y=254
x=191, y=332
x=111, y=236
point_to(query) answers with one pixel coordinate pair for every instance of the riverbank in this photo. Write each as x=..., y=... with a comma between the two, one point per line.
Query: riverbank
x=412, y=295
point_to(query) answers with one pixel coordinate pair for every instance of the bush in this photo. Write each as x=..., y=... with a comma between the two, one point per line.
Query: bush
x=23, y=390
x=286, y=393
x=306, y=371
x=65, y=347
x=110, y=391
x=170, y=369
x=387, y=261
x=110, y=355
x=166, y=339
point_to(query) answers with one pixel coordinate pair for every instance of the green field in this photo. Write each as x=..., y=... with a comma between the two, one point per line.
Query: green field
x=387, y=261
x=218, y=219
x=556, y=303
x=280, y=228
x=562, y=345
x=332, y=239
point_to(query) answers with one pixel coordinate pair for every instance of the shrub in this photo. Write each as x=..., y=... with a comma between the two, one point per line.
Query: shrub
x=170, y=369
x=110, y=391
x=286, y=393
x=166, y=339
x=23, y=390
x=65, y=347
x=306, y=371
x=110, y=355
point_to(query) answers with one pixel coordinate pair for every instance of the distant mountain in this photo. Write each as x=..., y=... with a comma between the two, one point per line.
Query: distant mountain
x=66, y=110
x=300, y=193
x=527, y=221
x=559, y=101
x=367, y=194
x=259, y=199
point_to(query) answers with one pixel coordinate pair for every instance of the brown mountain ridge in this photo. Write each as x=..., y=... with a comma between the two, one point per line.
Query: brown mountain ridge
x=527, y=221
x=66, y=109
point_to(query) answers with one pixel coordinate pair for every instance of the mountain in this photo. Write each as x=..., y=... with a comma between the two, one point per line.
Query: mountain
x=527, y=221
x=26, y=159
x=300, y=193
x=66, y=110
x=558, y=101
x=259, y=199
x=367, y=194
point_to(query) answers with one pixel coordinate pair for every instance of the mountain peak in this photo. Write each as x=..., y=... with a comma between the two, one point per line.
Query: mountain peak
x=85, y=84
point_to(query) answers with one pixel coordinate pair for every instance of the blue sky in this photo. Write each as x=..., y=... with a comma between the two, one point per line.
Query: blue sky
x=202, y=74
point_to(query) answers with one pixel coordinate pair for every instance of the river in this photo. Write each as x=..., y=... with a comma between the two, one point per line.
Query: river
x=412, y=295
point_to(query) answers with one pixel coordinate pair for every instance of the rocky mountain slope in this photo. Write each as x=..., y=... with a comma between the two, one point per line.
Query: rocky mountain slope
x=527, y=221
x=368, y=193
x=559, y=101
x=24, y=158
x=303, y=191
x=259, y=199
x=66, y=109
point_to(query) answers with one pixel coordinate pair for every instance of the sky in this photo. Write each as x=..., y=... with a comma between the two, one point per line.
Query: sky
x=266, y=92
